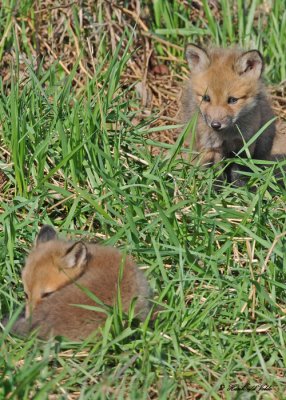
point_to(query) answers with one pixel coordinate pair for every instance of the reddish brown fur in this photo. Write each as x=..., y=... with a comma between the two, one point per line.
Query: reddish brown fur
x=222, y=74
x=45, y=271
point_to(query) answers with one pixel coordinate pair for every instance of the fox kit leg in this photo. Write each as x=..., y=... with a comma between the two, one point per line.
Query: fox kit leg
x=210, y=157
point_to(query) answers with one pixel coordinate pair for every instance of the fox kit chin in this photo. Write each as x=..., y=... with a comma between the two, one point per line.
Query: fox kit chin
x=226, y=91
x=55, y=277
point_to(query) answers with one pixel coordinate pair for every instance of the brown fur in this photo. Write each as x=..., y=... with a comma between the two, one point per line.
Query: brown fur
x=221, y=75
x=279, y=144
x=61, y=268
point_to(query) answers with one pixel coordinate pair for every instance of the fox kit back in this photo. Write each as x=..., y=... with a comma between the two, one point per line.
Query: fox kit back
x=55, y=277
x=226, y=91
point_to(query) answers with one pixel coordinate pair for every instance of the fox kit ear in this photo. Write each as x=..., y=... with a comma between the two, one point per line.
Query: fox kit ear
x=197, y=58
x=46, y=233
x=250, y=64
x=76, y=256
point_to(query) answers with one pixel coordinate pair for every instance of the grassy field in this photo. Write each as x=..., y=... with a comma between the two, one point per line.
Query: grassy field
x=87, y=144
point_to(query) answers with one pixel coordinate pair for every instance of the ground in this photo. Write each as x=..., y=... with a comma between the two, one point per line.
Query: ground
x=89, y=96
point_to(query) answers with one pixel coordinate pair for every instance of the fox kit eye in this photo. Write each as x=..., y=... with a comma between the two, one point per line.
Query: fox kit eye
x=206, y=98
x=46, y=294
x=26, y=296
x=232, y=100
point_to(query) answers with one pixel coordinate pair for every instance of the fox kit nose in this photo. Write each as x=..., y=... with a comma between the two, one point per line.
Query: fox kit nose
x=216, y=125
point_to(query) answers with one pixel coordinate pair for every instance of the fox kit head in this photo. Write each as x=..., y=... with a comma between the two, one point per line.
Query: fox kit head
x=52, y=264
x=224, y=83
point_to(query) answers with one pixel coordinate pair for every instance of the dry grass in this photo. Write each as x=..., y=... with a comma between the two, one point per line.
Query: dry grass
x=215, y=261
x=55, y=33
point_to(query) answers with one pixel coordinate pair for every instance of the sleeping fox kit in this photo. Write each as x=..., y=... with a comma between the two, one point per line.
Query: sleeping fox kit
x=55, y=276
x=226, y=91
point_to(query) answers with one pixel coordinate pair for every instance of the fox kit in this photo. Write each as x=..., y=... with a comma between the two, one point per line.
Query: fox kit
x=55, y=276
x=226, y=90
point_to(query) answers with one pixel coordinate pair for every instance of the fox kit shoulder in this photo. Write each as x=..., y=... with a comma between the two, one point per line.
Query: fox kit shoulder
x=55, y=277
x=226, y=91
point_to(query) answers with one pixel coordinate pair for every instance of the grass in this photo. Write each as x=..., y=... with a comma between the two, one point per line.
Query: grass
x=75, y=155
